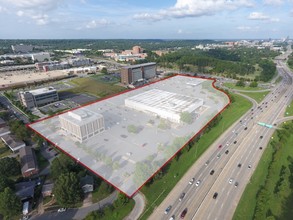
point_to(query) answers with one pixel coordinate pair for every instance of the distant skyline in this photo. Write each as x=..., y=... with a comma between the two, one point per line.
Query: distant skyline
x=151, y=19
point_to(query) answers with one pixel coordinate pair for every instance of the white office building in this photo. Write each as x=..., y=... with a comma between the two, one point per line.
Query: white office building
x=165, y=104
x=40, y=57
x=38, y=97
x=82, y=124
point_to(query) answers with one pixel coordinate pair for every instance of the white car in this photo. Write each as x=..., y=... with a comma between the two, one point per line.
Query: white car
x=191, y=181
x=231, y=181
x=198, y=182
x=62, y=210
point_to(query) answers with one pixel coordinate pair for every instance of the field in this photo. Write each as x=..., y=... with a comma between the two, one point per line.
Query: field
x=271, y=182
x=159, y=189
x=246, y=88
x=257, y=96
x=94, y=85
x=289, y=110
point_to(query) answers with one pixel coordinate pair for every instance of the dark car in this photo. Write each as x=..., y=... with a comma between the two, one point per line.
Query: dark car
x=183, y=213
x=239, y=165
x=168, y=209
x=215, y=195
x=227, y=151
x=261, y=137
x=236, y=184
x=212, y=172
x=245, y=128
x=220, y=145
x=235, y=142
x=181, y=196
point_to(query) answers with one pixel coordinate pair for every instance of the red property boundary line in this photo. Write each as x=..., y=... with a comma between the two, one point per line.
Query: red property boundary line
x=77, y=161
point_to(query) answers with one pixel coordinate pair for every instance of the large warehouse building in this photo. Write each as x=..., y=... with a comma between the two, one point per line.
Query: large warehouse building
x=82, y=124
x=130, y=74
x=165, y=104
x=38, y=97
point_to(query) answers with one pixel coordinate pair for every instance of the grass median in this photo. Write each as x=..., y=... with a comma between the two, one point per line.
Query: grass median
x=289, y=110
x=257, y=96
x=157, y=191
x=269, y=194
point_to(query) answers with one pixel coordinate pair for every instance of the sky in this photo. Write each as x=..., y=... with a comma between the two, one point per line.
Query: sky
x=146, y=19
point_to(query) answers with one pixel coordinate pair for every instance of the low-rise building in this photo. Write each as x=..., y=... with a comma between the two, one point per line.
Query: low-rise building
x=38, y=97
x=4, y=131
x=12, y=142
x=40, y=57
x=22, y=48
x=82, y=124
x=25, y=190
x=28, y=162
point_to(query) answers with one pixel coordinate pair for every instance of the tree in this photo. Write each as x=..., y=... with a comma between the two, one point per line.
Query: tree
x=10, y=204
x=5, y=182
x=240, y=83
x=121, y=200
x=104, y=70
x=9, y=166
x=253, y=84
x=186, y=117
x=63, y=164
x=67, y=190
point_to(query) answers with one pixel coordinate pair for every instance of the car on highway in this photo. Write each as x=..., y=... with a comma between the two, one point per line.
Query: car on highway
x=236, y=184
x=212, y=172
x=215, y=195
x=239, y=165
x=245, y=128
x=261, y=137
x=181, y=196
x=198, y=182
x=220, y=146
x=207, y=162
x=167, y=210
x=260, y=148
x=191, y=181
x=230, y=180
x=227, y=151
x=249, y=166
x=235, y=142
x=172, y=217
x=218, y=156
x=183, y=213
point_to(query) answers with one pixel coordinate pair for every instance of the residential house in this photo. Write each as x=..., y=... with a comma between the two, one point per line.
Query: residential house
x=28, y=162
x=87, y=184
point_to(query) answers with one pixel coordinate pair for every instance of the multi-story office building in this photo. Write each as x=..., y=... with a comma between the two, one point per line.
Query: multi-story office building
x=38, y=97
x=82, y=124
x=21, y=48
x=130, y=74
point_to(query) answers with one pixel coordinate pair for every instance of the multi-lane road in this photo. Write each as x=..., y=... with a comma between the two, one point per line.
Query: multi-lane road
x=233, y=158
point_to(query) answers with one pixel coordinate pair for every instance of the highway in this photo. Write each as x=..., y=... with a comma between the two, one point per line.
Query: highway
x=243, y=143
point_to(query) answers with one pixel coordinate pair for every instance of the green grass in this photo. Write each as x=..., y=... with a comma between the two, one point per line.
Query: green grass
x=4, y=150
x=276, y=204
x=156, y=192
x=94, y=86
x=99, y=194
x=257, y=96
x=279, y=79
x=246, y=88
x=116, y=214
x=289, y=110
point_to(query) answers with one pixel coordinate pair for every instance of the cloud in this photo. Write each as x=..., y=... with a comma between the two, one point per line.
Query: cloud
x=179, y=31
x=258, y=16
x=273, y=2
x=261, y=16
x=191, y=8
x=97, y=23
x=37, y=10
x=3, y=9
x=247, y=28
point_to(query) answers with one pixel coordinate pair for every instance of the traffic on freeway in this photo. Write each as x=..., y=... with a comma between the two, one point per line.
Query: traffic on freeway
x=214, y=185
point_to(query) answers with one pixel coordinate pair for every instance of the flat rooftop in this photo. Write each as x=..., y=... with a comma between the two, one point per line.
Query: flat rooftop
x=139, y=65
x=135, y=144
x=42, y=90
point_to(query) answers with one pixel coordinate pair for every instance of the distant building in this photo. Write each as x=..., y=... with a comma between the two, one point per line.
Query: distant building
x=12, y=142
x=137, y=49
x=28, y=162
x=21, y=48
x=38, y=97
x=25, y=190
x=82, y=124
x=79, y=62
x=40, y=57
x=4, y=130
x=164, y=104
x=130, y=74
